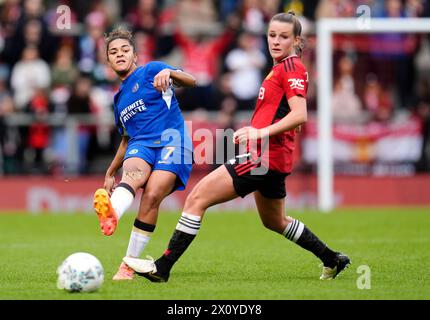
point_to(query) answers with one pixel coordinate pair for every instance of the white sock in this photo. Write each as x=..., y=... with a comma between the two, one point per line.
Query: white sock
x=121, y=199
x=139, y=238
x=137, y=243
x=189, y=223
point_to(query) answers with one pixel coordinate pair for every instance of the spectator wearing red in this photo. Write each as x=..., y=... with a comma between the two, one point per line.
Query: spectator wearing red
x=39, y=131
x=201, y=57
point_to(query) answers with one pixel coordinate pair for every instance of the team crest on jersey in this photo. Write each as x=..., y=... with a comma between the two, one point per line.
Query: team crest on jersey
x=135, y=88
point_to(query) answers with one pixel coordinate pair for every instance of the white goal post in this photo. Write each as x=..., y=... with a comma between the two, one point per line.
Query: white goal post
x=325, y=29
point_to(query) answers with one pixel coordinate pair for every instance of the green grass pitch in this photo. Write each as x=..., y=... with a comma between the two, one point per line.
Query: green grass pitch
x=233, y=256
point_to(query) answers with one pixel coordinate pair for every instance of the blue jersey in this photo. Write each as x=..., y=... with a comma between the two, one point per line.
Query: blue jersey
x=150, y=118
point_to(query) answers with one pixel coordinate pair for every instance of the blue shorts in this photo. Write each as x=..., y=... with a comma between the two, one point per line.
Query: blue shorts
x=178, y=160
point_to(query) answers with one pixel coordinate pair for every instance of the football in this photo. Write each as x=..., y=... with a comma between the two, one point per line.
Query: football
x=80, y=272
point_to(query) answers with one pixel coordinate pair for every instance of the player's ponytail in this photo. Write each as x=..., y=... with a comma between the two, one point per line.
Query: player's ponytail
x=290, y=17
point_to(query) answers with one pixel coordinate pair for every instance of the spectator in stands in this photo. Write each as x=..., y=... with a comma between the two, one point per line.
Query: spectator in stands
x=227, y=8
x=195, y=15
x=143, y=17
x=29, y=32
x=426, y=9
x=8, y=135
x=377, y=100
x=33, y=9
x=39, y=131
x=145, y=46
x=253, y=16
x=10, y=11
x=101, y=73
x=201, y=57
x=63, y=74
x=393, y=54
x=346, y=104
x=414, y=8
x=29, y=74
x=80, y=104
x=35, y=35
x=421, y=109
x=92, y=41
x=297, y=5
x=245, y=64
x=335, y=9
x=32, y=29
x=63, y=70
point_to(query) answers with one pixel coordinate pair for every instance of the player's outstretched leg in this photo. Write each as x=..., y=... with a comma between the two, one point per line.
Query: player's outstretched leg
x=159, y=270
x=106, y=213
x=217, y=187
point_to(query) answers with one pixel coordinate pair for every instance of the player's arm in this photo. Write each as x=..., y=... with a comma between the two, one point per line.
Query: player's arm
x=180, y=78
x=296, y=117
x=115, y=165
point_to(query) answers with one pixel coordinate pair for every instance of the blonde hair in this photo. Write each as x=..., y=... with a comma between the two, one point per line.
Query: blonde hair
x=290, y=17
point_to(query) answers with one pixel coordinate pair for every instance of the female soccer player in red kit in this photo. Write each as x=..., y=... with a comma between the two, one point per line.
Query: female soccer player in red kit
x=280, y=109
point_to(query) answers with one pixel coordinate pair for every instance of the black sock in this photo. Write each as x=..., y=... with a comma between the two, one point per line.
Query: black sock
x=309, y=241
x=177, y=246
x=297, y=232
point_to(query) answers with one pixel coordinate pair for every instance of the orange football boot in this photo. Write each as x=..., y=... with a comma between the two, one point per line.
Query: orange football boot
x=106, y=213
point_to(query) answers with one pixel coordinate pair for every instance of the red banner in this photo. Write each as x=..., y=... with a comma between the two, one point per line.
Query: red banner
x=34, y=195
x=396, y=141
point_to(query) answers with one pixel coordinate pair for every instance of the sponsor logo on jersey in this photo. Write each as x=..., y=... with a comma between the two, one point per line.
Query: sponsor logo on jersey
x=133, y=151
x=296, y=84
x=130, y=111
x=135, y=88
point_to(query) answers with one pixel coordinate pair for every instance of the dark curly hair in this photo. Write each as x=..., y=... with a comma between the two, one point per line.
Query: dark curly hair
x=119, y=34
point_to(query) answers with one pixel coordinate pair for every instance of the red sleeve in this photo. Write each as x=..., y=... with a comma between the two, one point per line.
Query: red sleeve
x=295, y=83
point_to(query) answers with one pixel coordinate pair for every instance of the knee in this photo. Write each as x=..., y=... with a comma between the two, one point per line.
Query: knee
x=195, y=200
x=269, y=224
x=276, y=225
x=134, y=178
x=152, y=198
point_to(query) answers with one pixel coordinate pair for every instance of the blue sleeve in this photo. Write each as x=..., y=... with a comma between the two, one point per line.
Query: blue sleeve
x=155, y=67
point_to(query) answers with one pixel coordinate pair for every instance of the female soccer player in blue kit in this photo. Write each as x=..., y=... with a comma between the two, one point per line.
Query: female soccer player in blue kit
x=155, y=152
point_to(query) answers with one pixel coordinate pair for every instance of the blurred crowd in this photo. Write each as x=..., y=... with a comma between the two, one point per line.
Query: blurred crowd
x=49, y=68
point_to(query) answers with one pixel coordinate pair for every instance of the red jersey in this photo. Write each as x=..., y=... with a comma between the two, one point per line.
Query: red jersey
x=286, y=79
